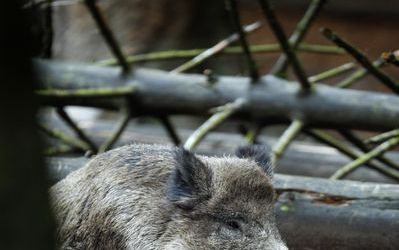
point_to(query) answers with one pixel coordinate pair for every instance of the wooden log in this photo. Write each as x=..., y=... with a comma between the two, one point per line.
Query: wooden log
x=304, y=159
x=320, y=214
x=271, y=100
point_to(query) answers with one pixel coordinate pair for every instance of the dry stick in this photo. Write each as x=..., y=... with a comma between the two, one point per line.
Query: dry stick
x=87, y=93
x=221, y=48
x=232, y=7
x=331, y=72
x=348, y=151
x=286, y=47
x=203, y=54
x=59, y=150
x=69, y=140
x=121, y=125
x=68, y=120
x=347, y=169
x=284, y=141
x=391, y=57
x=382, y=137
x=297, y=36
x=170, y=129
x=355, y=140
x=362, y=59
x=359, y=74
x=216, y=119
x=107, y=34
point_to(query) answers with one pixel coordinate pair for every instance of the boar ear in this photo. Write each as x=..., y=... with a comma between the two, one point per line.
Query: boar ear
x=260, y=154
x=190, y=181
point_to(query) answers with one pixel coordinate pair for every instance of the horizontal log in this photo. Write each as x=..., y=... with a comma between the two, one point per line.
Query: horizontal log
x=271, y=100
x=305, y=159
x=320, y=214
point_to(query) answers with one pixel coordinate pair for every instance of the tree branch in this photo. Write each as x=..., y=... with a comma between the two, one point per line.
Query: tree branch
x=363, y=60
x=286, y=47
x=299, y=33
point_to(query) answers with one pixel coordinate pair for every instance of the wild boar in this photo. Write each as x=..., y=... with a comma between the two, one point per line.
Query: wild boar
x=151, y=197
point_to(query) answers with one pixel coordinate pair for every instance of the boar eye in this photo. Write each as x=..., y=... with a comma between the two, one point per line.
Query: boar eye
x=233, y=225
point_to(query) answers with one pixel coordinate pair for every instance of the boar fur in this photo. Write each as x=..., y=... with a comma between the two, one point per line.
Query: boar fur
x=151, y=197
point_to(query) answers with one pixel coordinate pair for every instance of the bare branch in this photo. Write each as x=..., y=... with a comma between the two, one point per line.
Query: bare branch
x=286, y=47
x=214, y=50
x=232, y=7
x=363, y=60
x=299, y=33
x=68, y=120
x=107, y=34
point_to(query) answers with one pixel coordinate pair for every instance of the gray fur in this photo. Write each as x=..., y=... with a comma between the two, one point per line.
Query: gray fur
x=122, y=200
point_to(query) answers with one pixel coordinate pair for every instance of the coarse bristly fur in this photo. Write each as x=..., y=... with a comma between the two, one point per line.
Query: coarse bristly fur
x=151, y=197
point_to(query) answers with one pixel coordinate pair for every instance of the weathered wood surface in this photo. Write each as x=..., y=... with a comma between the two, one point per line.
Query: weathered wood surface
x=305, y=159
x=271, y=100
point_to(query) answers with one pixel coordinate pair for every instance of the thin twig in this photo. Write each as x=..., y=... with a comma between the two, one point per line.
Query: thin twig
x=67, y=139
x=183, y=54
x=59, y=150
x=120, y=127
x=363, y=60
x=348, y=151
x=391, y=57
x=216, y=119
x=87, y=93
x=68, y=120
x=355, y=140
x=331, y=72
x=286, y=47
x=252, y=135
x=285, y=139
x=359, y=74
x=170, y=129
x=107, y=34
x=232, y=7
x=214, y=50
x=352, y=166
x=382, y=137
x=297, y=36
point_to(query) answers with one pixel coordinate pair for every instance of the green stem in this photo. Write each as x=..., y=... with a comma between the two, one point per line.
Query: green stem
x=355, y=140
x=69, y=140
x=215, y=120
x=87, y=93
x=284, y=141
x=347, y=169
x=331, y=72
x=348, y=151
x=359, y=74
x=183, y=54
x=382, y=137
